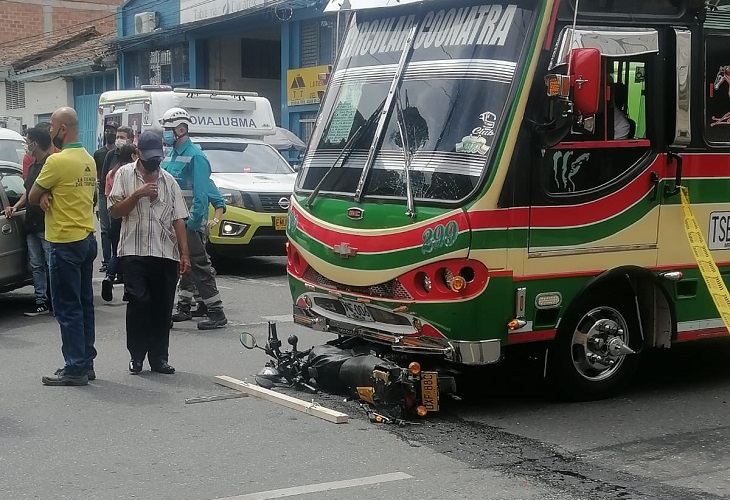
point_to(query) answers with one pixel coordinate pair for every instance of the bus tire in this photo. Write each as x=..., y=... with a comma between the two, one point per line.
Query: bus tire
x=590, y=358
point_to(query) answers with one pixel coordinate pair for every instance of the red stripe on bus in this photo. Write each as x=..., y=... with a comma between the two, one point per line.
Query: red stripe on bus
x=564, y=216
x=707, y=333
x=377, y=243
x=523, y=337
x=634, y=143
x=596, y=272
x=551, y=28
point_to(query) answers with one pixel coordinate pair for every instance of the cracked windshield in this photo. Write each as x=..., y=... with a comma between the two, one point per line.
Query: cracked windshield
x=450, y=102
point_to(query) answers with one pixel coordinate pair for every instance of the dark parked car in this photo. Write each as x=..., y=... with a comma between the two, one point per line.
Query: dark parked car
x=14, y=270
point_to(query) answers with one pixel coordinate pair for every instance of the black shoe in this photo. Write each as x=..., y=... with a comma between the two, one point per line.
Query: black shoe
x=201, y=311
x=163, y=368
x=216, y=319
x=102, y=269
x=119, y=280
x=37, y=310
x=135, y=367
x=107, y=289
x=182, y=314
x=90, y=373
x=61, y=377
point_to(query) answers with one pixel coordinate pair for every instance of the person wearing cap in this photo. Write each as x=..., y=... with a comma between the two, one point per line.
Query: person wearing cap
x=153, y=248
x=187, y=163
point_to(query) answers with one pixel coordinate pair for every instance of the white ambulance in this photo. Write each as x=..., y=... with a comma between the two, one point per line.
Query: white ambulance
x=230, y=127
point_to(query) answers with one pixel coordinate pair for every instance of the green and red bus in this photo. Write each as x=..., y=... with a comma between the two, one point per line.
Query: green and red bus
x=490, y=174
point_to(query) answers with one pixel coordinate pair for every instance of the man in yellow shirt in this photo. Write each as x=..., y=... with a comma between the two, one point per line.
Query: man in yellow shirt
x=65, y=191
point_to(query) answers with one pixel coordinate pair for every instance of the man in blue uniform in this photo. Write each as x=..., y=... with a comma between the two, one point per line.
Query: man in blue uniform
x=187, y=163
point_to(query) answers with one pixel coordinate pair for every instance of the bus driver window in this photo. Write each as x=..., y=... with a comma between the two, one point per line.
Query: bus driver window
x=587, y=161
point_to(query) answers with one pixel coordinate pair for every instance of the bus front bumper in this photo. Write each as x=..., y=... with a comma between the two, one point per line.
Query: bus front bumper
x=405, y=340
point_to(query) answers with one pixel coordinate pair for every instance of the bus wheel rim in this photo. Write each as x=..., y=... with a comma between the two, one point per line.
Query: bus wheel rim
x=590, y=351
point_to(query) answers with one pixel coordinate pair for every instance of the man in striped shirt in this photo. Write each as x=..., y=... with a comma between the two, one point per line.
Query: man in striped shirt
x=153, y=248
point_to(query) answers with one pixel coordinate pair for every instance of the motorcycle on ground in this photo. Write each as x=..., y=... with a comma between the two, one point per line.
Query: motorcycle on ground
x=359, y=369
x=286, y=368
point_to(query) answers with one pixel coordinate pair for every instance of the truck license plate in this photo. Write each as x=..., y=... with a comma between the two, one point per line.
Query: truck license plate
x=280, y=223
x=430, y=390
x=356, y=310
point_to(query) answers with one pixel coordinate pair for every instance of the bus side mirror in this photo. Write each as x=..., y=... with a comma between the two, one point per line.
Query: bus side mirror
x=585, y=78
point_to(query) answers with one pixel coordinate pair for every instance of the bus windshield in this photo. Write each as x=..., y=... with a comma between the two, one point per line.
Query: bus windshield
x=450, y=82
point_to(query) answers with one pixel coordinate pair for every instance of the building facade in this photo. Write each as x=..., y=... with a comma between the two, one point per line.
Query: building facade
x=282, y=49
x=55, y=53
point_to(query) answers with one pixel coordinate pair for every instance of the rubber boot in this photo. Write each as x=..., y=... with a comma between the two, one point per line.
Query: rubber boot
x=182, y=314
x=201, y=311
x=216, y=319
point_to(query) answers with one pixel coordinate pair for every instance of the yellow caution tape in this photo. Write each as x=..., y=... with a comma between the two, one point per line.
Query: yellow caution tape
x=708, y=268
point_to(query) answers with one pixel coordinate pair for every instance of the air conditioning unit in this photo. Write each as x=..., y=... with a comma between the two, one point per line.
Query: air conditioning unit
x=145, y=22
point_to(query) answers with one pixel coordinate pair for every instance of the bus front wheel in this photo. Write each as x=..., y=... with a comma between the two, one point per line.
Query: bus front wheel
x=592, y=357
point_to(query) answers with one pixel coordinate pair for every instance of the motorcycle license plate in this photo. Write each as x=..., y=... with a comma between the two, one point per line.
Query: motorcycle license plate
x=356, y=310
x=280, y=223
x=430, y=390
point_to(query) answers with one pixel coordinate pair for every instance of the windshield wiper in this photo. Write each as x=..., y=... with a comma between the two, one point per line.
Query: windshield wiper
x=407, y=156
x=345, y=153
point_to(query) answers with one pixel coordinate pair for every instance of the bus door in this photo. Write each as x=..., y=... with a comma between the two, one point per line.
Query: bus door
x=597, y=191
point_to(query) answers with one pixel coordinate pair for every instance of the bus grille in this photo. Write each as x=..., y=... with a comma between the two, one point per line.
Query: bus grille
x=393, y=289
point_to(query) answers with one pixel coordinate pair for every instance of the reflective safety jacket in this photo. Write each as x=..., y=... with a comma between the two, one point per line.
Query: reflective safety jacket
x=215, y=197
x=189, y=166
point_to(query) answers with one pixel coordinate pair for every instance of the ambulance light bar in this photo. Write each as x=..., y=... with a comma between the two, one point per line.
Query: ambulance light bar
x=216, y=93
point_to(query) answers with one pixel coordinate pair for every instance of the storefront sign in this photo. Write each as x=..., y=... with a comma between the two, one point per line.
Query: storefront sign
x=305, y=85
x=195, y=10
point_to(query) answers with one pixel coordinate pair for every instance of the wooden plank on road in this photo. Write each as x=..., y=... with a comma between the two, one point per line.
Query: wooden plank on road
x=282, y=399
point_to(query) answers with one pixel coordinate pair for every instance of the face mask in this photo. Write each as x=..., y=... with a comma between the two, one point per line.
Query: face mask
x=110, y=138
x=119, y=143
x=168, y=137
x=151, y=165
x=58, y=141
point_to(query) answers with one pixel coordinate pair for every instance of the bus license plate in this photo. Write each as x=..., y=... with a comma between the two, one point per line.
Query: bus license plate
x=280, y=223
x=430, y=390
x=356, y=310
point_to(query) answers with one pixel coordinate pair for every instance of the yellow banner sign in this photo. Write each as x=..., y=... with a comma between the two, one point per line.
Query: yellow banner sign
x=708, y=268
x=306, y=85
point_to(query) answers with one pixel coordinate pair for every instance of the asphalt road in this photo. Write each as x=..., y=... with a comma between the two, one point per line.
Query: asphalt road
x=133, y=437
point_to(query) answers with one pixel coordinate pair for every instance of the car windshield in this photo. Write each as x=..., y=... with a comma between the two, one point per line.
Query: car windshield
x=452, y=94
x=12, y=150
x=244, y=158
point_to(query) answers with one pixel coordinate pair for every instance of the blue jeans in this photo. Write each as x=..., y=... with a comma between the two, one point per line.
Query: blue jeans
x=38, y=253
x=72, y=268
